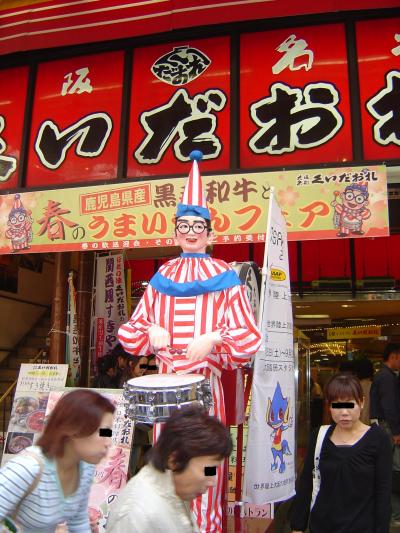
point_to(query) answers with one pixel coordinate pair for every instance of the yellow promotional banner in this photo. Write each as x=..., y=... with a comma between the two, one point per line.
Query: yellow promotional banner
x=359, y=332
x=317, y=204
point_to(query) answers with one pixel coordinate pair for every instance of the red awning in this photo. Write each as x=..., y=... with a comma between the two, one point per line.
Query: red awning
x=29, y=25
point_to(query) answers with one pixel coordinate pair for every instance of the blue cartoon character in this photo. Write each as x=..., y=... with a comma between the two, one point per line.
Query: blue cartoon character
x=19, y=223
x=350, y=213
x=278, y=418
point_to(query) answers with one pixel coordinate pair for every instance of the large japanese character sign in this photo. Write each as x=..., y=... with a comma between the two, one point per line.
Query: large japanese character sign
x=379, y=74
x=7, y=164
x=75, y=122
x=13, y=87
x=298, y=111
x=180, y=104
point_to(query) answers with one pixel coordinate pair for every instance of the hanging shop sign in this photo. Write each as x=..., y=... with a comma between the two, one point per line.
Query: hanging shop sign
x=182, y=103
x=13, y=87
x=298, y=112
x=359, y=332
x=317, y=204
x=60, y=23
x=76, y=120
x=379, y=75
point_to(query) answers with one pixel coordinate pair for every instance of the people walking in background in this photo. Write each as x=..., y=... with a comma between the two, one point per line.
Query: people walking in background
x=152, y=367
x=135, y=368
x=365, y=371
x=316, y=403
x=49, y=484
x=183, y=464
x=120, y=357
x=354, y=470
x=107, y=373
x=385, y=410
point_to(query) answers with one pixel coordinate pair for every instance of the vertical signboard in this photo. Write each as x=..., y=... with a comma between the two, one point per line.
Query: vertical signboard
x=76, y=120
x=72, y=353
x=180, y=102
x=294, y=97
x=111, y=308
x=379, y=75
x=270, y=468
x=13, y=86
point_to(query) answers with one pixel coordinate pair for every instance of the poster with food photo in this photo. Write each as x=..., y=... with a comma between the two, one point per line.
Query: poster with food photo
x=35, y=381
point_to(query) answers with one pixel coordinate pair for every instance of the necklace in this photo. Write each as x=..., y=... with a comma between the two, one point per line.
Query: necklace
x=351, y=437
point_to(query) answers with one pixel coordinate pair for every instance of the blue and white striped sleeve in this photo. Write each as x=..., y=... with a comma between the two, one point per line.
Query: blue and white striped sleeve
x=79, y=522
x=16, y=477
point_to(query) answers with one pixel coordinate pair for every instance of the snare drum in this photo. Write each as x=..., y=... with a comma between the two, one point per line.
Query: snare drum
x=155, y=397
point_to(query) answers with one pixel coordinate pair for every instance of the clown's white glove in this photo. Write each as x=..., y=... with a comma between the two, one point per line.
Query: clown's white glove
x=158, y=337
x=199, y=348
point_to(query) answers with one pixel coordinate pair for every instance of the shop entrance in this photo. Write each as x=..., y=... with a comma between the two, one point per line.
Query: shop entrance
x=335, y=333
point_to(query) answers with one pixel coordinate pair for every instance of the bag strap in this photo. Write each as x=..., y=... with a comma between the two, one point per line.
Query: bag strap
x=317, y=452
x=35, y=481
x=323, y=430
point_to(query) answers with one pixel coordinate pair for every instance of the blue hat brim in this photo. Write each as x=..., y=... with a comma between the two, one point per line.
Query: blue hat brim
x=192, y=211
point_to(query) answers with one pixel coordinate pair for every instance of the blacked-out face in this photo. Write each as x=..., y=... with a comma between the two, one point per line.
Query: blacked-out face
x=198, y=476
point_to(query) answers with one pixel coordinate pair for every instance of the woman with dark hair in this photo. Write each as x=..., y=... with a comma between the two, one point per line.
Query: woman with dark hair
x=355, y=469
x=49, y=484
x=183, y=465
x=107, y=373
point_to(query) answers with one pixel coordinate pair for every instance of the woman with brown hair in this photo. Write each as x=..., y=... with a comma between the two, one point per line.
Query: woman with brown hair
x=355, y=468
x=49, y=484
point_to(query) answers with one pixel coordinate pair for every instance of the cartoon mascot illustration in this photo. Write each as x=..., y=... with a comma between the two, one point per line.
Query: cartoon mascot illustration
x=19, y=223
x=352, y=211
x=278, y=418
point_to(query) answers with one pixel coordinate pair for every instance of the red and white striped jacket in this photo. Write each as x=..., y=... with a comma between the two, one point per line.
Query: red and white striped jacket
x=187, y=317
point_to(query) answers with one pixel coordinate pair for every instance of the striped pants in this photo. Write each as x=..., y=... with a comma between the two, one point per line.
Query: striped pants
x=207, y=509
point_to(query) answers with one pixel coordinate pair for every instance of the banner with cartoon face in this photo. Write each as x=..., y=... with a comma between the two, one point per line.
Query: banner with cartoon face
x=327, y=203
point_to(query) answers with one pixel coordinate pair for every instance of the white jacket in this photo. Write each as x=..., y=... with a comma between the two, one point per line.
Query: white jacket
x=149, y=504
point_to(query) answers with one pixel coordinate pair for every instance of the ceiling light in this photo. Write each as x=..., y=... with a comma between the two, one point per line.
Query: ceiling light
x=311, y=316
x=358, y=319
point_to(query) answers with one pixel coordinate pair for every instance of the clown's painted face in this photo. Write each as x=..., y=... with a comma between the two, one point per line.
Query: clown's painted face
x=191, y=234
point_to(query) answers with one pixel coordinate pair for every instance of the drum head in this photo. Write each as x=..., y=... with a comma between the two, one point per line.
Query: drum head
x=249, y=275
x=154, y=381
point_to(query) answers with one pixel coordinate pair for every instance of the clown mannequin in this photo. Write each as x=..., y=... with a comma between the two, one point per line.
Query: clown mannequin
x=195, y=314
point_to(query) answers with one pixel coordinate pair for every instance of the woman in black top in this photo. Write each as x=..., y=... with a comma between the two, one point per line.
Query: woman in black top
x=355, y=467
